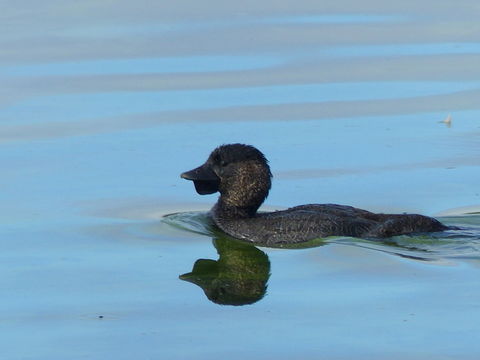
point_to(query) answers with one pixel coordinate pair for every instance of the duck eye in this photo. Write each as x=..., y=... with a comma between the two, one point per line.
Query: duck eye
x=223, y=163
x=217, y=159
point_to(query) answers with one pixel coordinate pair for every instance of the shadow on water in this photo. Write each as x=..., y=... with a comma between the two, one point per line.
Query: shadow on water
x=240, y=275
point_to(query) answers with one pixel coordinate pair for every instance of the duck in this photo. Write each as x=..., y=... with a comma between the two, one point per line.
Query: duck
x=242, y=176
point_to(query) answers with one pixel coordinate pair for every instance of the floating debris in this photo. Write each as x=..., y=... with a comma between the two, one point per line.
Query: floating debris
x=447, y=121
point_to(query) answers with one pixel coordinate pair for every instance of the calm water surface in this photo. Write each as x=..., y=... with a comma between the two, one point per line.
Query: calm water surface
x=107, y=253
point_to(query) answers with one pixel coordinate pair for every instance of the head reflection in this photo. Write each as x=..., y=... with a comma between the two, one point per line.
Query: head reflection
x=238, y=277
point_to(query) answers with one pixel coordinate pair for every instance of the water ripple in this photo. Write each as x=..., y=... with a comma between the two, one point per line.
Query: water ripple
x=74, y=107
x=389, y=50
x=135, y=66
x=462, y=243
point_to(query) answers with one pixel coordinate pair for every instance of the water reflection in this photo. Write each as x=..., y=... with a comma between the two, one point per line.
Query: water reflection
x=241, y=273
x=238, y=277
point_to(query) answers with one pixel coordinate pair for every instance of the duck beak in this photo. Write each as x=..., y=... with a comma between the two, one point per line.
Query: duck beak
x=203, y=273
x=204, y=179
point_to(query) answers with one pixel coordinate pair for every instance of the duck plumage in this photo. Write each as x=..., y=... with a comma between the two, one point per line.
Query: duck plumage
x=241, y=174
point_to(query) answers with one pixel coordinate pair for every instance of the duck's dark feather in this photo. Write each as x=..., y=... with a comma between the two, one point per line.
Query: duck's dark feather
x=306, y=222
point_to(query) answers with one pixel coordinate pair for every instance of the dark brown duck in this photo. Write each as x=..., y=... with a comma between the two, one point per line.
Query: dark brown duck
x=242, y=176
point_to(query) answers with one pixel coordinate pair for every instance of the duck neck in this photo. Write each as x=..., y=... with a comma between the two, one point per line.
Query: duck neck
x=224, y=210
x=243, y=191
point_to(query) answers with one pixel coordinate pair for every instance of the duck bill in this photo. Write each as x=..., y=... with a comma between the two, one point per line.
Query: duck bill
x=203, y=273
x=204, y=178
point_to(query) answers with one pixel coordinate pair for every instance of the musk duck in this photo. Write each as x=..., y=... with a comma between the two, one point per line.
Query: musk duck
x=241, y=174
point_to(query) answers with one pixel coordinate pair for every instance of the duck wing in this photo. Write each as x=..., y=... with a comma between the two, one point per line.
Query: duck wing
x=306, y=222
x=295, y=225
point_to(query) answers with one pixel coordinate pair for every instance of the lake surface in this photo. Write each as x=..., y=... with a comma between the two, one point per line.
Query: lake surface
x=107, y=253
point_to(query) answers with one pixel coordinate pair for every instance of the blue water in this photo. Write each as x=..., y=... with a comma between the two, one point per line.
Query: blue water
x=85, y=106
x=389, y=50
x=102, y=107
x=169, y=65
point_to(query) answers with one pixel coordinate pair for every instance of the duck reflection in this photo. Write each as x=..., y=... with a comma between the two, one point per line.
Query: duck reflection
x=241, y=273
x=238, y=277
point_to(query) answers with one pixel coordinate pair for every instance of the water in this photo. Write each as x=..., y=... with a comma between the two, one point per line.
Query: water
x=103, y=105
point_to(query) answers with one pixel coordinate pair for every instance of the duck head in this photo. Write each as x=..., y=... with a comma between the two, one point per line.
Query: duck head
x=240, y=173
